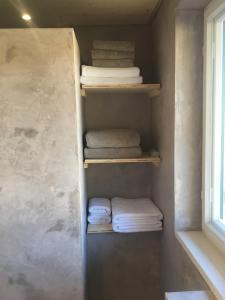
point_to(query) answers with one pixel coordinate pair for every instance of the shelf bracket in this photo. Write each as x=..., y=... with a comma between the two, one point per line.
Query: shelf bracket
x=82, y=93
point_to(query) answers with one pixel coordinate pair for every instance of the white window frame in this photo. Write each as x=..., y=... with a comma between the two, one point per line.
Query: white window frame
x=211, y=230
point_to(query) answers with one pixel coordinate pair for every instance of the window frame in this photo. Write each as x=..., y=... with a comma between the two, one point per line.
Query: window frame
x=211, y=229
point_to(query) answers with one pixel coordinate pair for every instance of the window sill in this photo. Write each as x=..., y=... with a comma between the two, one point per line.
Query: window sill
x=207, y=258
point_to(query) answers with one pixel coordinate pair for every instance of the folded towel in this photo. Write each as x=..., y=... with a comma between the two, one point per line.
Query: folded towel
x=110, y=80
x=113, y=63
x=113, y=153
x=111, y=54
x=99, y=219
x=100, y=206
x=112, y=138
x=136, y=228
x=128, y=210
x=89, y=71
x=114, y=45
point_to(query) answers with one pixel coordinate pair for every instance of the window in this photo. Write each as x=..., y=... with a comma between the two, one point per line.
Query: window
x=214, y=121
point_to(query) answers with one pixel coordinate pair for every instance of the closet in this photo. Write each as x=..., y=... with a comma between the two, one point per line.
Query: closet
x=121, y=266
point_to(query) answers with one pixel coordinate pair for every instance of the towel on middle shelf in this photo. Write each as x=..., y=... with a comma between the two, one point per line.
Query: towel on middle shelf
x=133, y=152
x=117, y=73
x=112, y=138
x=123, y=228
x=110, y=80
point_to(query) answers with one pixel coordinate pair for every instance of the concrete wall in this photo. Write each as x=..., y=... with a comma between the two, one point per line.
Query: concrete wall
x=177, y=271
x=188, y=119
x=41, y=254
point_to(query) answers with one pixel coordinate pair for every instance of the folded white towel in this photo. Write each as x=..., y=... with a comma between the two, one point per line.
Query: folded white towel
x=110, y=80
x=89, y=71
x=136, y=228
x=134, y=209
x=112, y=153
x=100, y=206
x=114, y=45
x=112, y=138
x=99, y=219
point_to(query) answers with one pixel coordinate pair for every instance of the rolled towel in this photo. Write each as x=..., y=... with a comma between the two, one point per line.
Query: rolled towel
x=111, y=54
x=129, y=210
x=99, y=219
x=100, y=206
x=112, y=138
x=114, y=45
x=113, y=63
x=110, y=80
x=89, y=71
x=113, y=153
x=136, y=228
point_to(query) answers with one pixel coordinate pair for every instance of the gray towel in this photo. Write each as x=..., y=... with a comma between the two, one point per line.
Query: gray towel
x=113, y=63
x=105, y=153
x=111, y=54
x=112, y=138
x=114, y=45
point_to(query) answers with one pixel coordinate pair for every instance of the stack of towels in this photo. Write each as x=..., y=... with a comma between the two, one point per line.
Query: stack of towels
x=113, y=64
x=112, y=143
x=99, y=211
x=135, y=215
x=113, y=54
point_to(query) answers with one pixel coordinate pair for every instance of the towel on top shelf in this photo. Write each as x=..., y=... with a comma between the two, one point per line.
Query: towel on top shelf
x=110, y=80
x=95, y=72
x=114, y=45
x=134, y=215
x=111, y=54
x=113, y=63
x=99, y=211
x=112, y=138
x=105, y=153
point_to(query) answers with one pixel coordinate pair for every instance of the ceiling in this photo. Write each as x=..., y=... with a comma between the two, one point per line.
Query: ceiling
x=64, y=13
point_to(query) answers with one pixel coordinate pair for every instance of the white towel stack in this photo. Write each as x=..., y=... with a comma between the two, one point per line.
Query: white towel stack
x=112, y=143
x=99, y=211
x=113, y=64
x=135, y=215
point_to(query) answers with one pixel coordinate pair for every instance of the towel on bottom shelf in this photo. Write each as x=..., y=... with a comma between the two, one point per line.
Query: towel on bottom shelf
x=98, y=219
x=129, y=210
x=117, y=227
x=110, y=80
x=100, y=206
x=112, y=153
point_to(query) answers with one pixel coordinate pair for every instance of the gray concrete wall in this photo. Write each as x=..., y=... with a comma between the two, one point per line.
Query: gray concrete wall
x=177, y=271
x=41, y=253
x=188, y=119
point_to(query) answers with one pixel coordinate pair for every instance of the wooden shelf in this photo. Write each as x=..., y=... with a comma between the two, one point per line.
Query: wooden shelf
x=106, y=228
x=146, y=158
x=152, y=90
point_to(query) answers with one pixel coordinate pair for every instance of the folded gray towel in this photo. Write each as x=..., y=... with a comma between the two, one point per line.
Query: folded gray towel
x=111, y=54
x=114, y=45
x=113, y=63
x=112, y=138
x=113, y=153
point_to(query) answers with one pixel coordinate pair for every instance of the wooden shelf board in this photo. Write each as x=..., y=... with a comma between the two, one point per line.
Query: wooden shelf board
x=152, y=90
x=106, y=228
x=144, y=159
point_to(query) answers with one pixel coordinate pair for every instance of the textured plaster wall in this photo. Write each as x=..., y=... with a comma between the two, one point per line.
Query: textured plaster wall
x=41, y=253
x=177, y=271
x=188, y=119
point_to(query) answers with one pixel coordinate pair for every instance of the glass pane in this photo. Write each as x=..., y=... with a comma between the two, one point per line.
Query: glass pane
x=222, y=200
